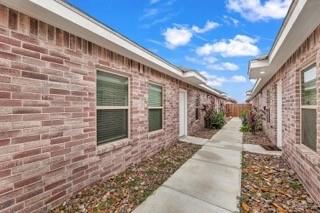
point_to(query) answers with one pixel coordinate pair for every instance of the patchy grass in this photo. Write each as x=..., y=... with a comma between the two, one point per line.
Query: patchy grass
x=125, y=191
x=269, y=185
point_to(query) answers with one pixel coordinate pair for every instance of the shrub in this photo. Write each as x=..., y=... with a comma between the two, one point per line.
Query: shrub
x=217, y=120
x=212, y=118
x=208, y=112
x=244, y=118
x=255, y=121
x=251, y=121
x=245, y=128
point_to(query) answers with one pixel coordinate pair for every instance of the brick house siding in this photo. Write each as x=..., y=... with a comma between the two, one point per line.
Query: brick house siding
x=302, y=159
x=48, y=147
x=205, y=99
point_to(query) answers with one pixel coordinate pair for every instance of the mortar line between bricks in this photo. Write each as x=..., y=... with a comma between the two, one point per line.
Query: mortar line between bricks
x=189, y=195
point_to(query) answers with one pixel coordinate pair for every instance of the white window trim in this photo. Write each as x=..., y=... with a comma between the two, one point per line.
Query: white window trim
x=128, y=108
x=198, y=107
x=304, y=68
x=162, y=108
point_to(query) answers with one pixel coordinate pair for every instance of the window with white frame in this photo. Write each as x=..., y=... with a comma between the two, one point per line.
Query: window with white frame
x=198, y=107
x=268, y=106
x=309, y=107
x=112, y=107
x=155, y=105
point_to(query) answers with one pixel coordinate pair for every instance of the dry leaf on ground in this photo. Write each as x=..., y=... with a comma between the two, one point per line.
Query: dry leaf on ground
x=125, y=191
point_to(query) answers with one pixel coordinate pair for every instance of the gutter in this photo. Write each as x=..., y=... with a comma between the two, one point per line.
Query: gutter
x=302, y=19
x=111, y=30
x=63, y=15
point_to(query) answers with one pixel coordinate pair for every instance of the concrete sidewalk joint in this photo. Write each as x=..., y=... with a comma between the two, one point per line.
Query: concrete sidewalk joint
x=208, y=182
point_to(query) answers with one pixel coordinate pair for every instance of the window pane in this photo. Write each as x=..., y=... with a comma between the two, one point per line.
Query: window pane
x=197, y=106
x=198, y=101
x=268, y=106
x=155, y=96
x=308, y=86
x=112, y=90
x=155, y=119
x=197, y=114
x=112, y=125
x=309, y=128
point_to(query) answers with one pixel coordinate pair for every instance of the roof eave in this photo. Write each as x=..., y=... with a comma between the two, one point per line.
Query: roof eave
x=62, y=15
x=292, y=34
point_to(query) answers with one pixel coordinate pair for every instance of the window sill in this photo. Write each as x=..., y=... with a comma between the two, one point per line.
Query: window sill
x=155, y=133
x=108, y=147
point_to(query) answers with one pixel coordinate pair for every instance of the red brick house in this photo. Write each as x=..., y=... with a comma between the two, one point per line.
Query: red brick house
x=80, y=102
x=287, y=89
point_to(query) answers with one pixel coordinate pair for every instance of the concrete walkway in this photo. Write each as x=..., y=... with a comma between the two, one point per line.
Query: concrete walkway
x=208, y=182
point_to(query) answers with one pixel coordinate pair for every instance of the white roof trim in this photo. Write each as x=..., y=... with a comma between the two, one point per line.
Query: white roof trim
x=66, y=17
x=207, y=88
x=301, y=20
x=195, y=76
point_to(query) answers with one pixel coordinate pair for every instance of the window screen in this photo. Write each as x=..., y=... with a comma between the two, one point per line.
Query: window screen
x=155, y=107
x=268, y=106
x=112, y=125
x=309, y=129
x=308, y=86
x=309, y=107
x=198, y=107
x=112, y=107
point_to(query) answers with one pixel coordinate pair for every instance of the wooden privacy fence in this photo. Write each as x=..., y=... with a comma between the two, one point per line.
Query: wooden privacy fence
x=234, y=110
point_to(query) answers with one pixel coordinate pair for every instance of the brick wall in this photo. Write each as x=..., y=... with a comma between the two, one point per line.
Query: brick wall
x=302, y=159
x=48, y=145
x=193, y=123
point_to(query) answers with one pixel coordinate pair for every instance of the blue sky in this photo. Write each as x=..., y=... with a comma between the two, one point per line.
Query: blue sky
x=215, y=37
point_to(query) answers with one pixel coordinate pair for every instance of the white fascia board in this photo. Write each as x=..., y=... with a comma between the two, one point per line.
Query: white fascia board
x=300, y=23
x=300, y=4
x=64, y=16
x=256, y=67
x=259, y=63
x=207, y=88
x=255, y=89
x=195, y=77
x=87, y=23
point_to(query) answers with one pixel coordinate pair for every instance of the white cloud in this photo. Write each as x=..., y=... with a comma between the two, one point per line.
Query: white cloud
x=226, y=66
x=231, y=21
x=201, y=61
x=148, y=13
x=238, y=79
x=154, y=1
x=255, y=10
x=181, y=35
x=210, y=25
x=155, y=42
x=194, y=60
x=211, y=63
x=157, y=21
x=177, y=36
x=214, y=80
x=210, y=60
x=240, y=45
x=218, y=81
